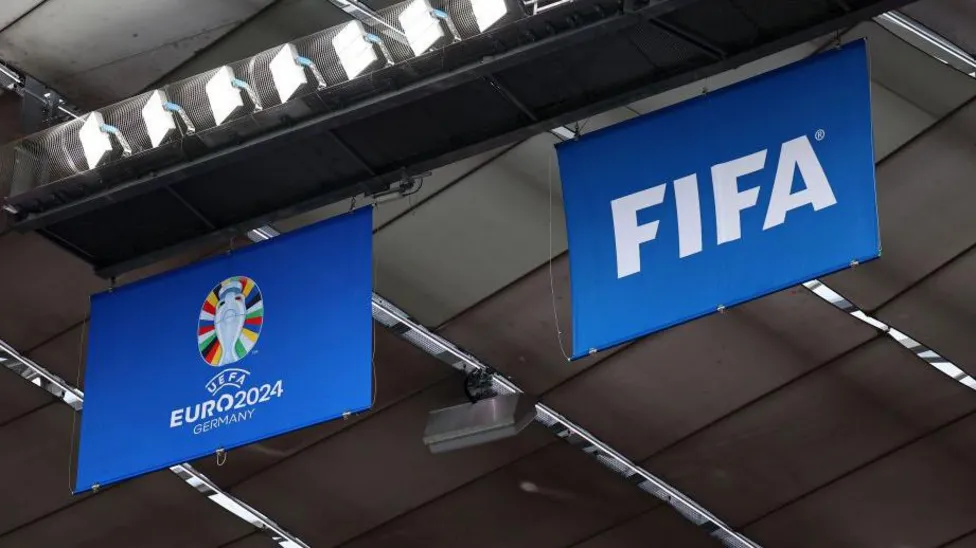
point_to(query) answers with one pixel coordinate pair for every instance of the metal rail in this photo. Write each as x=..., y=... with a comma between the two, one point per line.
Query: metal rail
x=73, y=397
x=930, y=38
x=923, y=352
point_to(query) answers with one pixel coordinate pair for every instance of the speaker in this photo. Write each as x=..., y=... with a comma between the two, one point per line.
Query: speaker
x=480, y=422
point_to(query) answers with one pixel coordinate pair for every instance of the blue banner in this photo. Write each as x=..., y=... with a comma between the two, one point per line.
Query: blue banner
x=721, y=199
x=268, y=339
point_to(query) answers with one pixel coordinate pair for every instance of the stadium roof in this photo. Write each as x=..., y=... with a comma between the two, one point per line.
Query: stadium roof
x=791, y=420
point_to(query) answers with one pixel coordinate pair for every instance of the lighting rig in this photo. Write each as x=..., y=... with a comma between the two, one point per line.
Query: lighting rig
x=231, y=94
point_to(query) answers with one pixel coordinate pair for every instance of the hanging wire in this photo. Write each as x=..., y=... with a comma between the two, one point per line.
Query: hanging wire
x=552, y=283
x=372, y=360
x=373, y=365
x=74, y=416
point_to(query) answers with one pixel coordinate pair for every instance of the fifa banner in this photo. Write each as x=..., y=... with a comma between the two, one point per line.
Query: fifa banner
x=268, y=339
x=721, y=199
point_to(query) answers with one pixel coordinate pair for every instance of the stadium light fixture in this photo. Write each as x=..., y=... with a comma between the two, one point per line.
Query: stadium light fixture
x=223, y=96
x=159, y=121
x=288, y=72
x=488, y=12
x=95, y=142
x=96, y=139
x=424, y=25
x=158, y=115
x=356, y=49
x=224, y=93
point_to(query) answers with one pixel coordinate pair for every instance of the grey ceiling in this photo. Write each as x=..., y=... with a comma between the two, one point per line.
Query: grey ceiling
x=787, y=418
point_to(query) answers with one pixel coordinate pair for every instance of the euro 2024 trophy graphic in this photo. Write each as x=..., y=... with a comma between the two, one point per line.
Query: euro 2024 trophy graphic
x=230, y=324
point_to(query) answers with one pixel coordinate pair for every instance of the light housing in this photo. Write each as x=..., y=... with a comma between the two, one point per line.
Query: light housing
x=484, y=421
x=286, y=73
x=488, y=12
x=355, y=51
x=159, y=121
x=95, y=142
x=422, y=27
x=225, y=98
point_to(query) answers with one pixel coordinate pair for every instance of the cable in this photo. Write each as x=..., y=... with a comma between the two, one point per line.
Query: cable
x=552, y=283
x=74, y=416
x=373, y=324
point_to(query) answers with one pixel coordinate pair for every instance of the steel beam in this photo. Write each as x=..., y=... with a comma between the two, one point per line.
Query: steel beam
x=75, y=398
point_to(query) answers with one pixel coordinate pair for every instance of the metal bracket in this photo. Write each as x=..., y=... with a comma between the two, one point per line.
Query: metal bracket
x=479, y=385
x=42, y=106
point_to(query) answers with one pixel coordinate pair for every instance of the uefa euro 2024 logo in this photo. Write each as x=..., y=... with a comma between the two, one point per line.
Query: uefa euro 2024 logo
x=230, y=324
x=229, y=327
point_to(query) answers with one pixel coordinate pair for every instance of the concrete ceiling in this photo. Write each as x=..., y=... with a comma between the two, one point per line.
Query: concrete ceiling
x=100, y=51
x=789, y=419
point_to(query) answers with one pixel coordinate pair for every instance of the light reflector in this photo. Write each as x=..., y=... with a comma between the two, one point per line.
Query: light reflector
x=224, y=97
x=420, y=25
x=95, y=142
x=354, y=51
x=286, y=73
x=159, y=121
x=488, y=12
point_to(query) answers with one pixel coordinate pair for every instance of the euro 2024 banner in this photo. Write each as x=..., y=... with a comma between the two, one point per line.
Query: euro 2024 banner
x=721, y=199
x=267, y=339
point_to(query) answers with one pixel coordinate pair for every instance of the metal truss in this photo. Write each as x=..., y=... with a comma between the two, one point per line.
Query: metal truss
x=923, y=352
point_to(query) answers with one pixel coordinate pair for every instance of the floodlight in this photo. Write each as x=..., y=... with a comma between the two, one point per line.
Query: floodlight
x=224, y=92
x=96, y=139
x=288, y=72
x=488, y=12
x=159, y=121
x=421, y=25
x=96, y=143
x=355, y=48
x=158, y=113
x=223, y=96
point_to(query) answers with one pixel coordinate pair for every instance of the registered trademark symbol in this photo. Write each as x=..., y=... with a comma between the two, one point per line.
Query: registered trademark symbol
x=819, y=135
